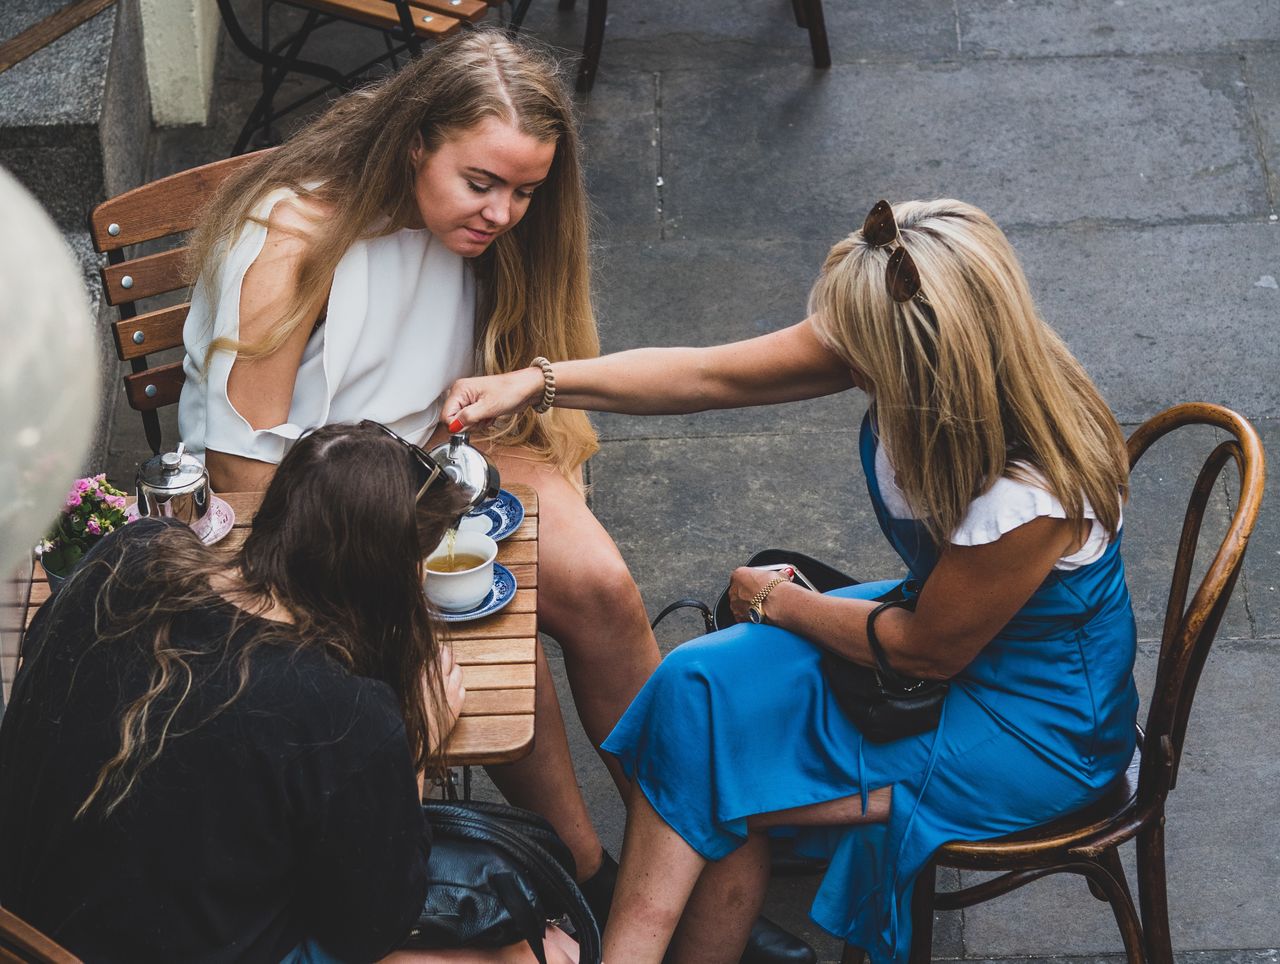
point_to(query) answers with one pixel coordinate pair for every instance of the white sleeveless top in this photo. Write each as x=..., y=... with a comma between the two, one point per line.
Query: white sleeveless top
x=398, y=331
x=1009, y=503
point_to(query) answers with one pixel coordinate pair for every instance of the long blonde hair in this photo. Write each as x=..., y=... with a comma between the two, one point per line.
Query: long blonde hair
x=534, y=280
x=974, y=381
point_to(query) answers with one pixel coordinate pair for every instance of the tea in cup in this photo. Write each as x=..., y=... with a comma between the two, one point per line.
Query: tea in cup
x=459, y=571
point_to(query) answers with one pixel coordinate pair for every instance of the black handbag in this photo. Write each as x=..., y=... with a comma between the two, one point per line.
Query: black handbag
x=498, y=874
x=883, y=704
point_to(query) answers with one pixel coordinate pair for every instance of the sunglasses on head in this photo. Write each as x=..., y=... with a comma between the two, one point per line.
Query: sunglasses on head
x=425, y=471
x=901, y=276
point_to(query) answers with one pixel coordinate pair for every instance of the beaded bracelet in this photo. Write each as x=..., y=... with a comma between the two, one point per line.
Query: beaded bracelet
x=548, y=385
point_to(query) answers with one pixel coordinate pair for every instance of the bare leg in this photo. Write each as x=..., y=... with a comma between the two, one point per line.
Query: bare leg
x=666, y=890
x=559, y=946
x=587, y=601
x=544, y=780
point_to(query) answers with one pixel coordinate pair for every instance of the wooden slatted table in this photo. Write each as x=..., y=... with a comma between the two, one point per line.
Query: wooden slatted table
x=497, y=653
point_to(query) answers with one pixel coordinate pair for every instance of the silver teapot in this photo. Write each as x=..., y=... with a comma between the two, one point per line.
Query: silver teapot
x=174, y=485
x=467, y=466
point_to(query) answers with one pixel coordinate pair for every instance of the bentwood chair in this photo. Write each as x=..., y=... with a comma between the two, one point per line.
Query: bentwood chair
x=403, y=26
x=1086, y=842
x=169, y=206
x=20, y=943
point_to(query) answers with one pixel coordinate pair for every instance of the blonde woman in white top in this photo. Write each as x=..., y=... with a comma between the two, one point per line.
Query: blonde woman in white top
x=430, y=227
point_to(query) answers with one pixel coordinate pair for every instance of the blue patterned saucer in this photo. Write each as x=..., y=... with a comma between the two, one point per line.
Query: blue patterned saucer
x=503, y=591
x=497, y=518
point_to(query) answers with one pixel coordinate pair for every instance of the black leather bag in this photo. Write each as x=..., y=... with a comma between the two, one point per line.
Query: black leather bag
x=883, y=704
x=498, y=875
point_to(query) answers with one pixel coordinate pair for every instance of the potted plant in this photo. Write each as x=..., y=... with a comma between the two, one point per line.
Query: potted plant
x=93, y=508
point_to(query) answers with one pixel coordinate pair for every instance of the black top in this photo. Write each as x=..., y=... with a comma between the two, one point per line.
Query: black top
x=292, y=814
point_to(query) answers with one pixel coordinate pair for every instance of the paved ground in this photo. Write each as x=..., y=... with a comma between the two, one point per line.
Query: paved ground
x=1131, y=148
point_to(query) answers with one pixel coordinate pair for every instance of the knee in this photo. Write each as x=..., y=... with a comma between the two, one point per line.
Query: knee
x=597, y=582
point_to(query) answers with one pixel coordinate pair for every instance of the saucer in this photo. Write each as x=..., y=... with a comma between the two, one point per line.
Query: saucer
x=217, y=522
x=497, y=518
x=503, y=591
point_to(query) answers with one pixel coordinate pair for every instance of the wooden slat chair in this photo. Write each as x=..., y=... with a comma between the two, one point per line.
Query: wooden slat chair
x=808, y=14
x=404, y=26
x=153, y=211
x=1086, y=842
x=20, y=943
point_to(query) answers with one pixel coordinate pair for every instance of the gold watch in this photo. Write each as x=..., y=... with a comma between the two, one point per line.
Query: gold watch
x=756, y=611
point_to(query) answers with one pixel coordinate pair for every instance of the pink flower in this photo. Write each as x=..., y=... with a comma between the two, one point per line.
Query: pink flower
x=74, y=500
x=117, y=501
x=93, y=525
x=100, y=477
x=83, y=485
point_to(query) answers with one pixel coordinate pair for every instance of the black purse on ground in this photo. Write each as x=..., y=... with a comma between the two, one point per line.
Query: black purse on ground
x=883, y=704
x=498, y=874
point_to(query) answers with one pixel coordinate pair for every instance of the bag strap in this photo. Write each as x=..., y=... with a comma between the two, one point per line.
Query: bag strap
x=886, y=672
x=521, y=911
x=708, y=620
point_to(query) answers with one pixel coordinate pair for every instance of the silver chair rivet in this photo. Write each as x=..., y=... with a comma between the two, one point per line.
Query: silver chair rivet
x=126, y=281
x=139, y=337
x=150, y=391
x=113, y=229
x=427, y=19
x=455, y=3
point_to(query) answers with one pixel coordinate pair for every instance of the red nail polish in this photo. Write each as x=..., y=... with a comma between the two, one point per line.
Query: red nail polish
x=455, y=425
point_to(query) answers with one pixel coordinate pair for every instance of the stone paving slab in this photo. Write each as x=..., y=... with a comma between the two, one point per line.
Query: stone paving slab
x=1221, y=859
x=1018, y=28
x=1054, y=141
x=1262, y=73
x=706, y=293
x=1264, y=955
x=676, y=33
x=1164, y=314
x=620, y=135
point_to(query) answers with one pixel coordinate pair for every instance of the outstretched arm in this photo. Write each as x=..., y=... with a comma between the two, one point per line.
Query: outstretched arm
x=783, y=366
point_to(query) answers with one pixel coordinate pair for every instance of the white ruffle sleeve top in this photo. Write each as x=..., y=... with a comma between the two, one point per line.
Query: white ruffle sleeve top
x=1007, y=504
x=398, y=330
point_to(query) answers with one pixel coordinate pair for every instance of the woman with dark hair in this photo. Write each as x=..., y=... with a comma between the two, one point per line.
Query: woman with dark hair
x=212, y=757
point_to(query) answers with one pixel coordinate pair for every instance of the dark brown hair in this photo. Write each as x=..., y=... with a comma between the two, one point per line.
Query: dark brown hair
x=338, y=542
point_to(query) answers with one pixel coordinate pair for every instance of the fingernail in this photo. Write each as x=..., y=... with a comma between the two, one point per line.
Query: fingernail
x=455, y=425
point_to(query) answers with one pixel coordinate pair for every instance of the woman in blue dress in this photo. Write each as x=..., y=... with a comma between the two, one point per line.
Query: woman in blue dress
x=997, y=473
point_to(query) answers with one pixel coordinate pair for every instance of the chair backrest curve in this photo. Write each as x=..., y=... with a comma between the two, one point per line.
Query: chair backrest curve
x=1189, y=629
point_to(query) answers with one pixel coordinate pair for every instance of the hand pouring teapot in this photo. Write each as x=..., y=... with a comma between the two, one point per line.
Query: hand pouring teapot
x=467, y=466
x=175, y=485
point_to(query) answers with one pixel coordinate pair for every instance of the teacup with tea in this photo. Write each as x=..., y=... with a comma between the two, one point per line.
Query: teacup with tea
x=459, y=571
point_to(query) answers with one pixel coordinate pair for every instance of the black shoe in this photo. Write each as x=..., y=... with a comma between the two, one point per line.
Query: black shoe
x=598, y=889
x=770, y=944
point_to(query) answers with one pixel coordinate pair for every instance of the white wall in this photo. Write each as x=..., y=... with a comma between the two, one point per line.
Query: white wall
x=180, y=39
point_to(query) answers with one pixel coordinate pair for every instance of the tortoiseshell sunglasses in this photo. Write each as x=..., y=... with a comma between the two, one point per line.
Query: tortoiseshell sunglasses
x=901, y=276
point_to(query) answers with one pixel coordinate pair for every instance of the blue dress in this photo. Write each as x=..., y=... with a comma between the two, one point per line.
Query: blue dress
x=741, y=722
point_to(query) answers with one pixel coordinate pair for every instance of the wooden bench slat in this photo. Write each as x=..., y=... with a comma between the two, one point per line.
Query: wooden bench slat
x=490, y=739
x=167, y=380
x=382, y=14
x=146, y=277
x=468, y=10
x=500, y=625
x=498, y=702
x=526, y=575
x=470, y=652
x=159, y=330
x=167, y=206
x=505, y=676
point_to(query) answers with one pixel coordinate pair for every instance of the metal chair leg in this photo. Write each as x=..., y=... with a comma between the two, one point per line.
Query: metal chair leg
x=817, y=31
x=566, y=4
x=797, y=7
x=597, y=11
x=1153, y=897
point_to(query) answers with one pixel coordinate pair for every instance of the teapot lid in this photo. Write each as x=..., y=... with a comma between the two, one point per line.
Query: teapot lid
x=172, y=471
